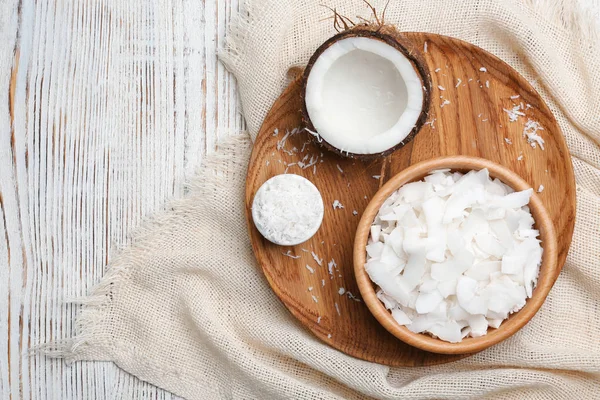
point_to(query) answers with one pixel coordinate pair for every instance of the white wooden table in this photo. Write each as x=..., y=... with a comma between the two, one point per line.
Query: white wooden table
x=113, y=104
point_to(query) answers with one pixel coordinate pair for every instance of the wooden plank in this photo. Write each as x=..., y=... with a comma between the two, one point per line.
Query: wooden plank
x=110, y=119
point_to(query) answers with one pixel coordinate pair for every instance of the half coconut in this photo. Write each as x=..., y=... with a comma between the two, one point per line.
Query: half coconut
x=366, y=92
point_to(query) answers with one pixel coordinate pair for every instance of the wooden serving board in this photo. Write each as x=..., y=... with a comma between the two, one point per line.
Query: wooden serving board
x=474, y=123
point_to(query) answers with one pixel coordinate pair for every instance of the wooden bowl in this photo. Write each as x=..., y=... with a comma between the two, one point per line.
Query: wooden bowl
x=516, y=320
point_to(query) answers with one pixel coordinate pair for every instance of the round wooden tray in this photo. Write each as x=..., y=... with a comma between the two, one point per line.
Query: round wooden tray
x=473, y=123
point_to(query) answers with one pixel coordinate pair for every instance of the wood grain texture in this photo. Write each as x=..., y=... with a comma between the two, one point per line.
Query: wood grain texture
x=543, y=223
x=113, y=106
x=473, y=124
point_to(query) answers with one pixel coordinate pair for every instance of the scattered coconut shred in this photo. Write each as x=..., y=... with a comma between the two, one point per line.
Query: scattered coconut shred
x=454, y=254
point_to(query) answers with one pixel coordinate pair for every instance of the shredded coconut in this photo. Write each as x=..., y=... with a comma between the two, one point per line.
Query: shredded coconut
x=337, y=204
x=540, y=189
x=352, y=297
x=441, y=87
x=312, y=271
x=431, y=123
x=337, y=308
x=514, y=114
x=281, y=143
x=317, y=259
x=445, y=102
x=458, y=82
x=290, y=255
x=530, y=132
x=287, y=209
x=483, y=69
x=331, y=265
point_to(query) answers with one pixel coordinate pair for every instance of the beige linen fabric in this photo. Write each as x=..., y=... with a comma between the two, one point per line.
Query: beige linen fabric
x=186, y=307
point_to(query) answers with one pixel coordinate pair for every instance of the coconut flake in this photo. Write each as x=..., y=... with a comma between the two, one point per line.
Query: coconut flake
x=427, y=302
x=400, y=316
x=337, y=204
x=454, y=254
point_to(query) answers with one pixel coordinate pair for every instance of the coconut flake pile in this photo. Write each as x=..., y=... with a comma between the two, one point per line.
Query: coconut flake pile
x=454, y=254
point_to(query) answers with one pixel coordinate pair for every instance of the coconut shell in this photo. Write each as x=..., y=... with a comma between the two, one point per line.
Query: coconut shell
x=389, y=35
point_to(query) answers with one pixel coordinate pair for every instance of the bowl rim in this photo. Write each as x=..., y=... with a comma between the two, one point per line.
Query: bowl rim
x=515, y=321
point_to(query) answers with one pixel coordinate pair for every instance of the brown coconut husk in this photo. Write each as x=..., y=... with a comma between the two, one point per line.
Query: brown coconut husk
x=377, y=30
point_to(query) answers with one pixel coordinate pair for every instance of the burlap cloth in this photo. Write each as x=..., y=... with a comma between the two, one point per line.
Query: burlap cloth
x=187, y=308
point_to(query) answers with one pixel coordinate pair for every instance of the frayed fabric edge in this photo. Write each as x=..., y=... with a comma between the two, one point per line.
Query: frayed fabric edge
x=91, y=340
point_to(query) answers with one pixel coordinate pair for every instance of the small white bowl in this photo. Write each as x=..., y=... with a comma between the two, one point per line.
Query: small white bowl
x=311, y=190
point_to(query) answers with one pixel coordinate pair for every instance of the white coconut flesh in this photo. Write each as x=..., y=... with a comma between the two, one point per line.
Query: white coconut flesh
x=363, y=96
